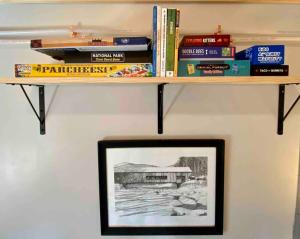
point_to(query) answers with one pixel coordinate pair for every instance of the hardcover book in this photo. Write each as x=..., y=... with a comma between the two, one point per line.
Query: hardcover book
x=269, y=70
x=190, y=52
x=263, y=55
x=214, y=68
x=158, y=42
x=83, y=70
x=163, y=49
x=206, y=40
x=170, y=47
x=176, y=42
x=154, y=39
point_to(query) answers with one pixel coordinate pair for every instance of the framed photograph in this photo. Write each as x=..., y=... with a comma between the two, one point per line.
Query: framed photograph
x=161, y=187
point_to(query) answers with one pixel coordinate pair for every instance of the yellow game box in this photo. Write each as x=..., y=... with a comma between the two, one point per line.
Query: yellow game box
x=83, y=70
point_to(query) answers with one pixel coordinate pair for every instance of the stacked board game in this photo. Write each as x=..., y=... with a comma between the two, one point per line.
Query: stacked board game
x=213, y=68
x=165, y=41
x=164, y=56
x=83, y=70
x=265, y=60
x=210, y=55
x=107, y=57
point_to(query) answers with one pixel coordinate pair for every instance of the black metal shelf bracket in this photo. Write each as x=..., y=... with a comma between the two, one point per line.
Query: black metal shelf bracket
x=281, y=115
x=160, y=108
x=41, y=116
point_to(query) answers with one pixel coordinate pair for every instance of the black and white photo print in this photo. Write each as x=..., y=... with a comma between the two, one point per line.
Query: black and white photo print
x=166, y=184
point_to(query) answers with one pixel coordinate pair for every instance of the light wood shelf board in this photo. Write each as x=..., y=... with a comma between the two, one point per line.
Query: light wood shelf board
x=154, y=1
x=259, y=80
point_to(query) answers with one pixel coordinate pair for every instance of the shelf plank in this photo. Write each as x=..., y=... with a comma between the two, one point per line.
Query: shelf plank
x=155, y=80
x=155, y=1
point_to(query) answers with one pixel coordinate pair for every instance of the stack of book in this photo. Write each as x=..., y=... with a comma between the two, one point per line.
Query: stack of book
x=110, y=57
x=210, y=55
x=265, y=60
x=165, y=41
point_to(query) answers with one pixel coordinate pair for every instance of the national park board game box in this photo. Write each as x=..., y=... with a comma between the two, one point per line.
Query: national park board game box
x=108, y=57
x=83, y=70
x=214, y=68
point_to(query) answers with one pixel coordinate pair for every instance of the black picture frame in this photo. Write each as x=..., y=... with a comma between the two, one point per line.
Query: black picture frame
x=217, y=229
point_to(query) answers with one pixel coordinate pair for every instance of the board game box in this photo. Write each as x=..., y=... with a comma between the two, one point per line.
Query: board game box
x=206, y=40
x=206, y=52
x=83, y=70
x=214, y=68
x=108, y=57
x=269, y=70
x=263, y=55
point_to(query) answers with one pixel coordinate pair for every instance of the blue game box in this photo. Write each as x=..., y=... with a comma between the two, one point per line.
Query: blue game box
x=263, y=55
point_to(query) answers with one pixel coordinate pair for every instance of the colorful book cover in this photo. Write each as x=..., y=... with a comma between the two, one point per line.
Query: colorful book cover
x=83, y=70
x=154, y=39
x=189, y=52
x=158, y=42
x=176, y=42
x=163, y=41
x=206, y=40
x=269, y=70
x=263, y=55
x=131, y=40
x=214, y=68
x=170, y=47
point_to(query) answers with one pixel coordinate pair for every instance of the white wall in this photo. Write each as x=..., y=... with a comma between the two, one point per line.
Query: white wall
x=49, y=184
x=297, y=214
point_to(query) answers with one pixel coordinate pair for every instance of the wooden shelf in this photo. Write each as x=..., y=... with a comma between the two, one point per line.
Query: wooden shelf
x=155, y=1
x=155, y=80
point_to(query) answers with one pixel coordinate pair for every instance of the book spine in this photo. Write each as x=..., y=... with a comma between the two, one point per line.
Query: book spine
x=269, y=70
x=83, y=70
x=158, y=42
x=154, y=40
x=170, y=47
x=131, y=40
x=206, y=40
x=163, y=42
x=176, y=42
x=206, y=52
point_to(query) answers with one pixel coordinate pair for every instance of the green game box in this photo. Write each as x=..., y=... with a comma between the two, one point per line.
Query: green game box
x=214, y=68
